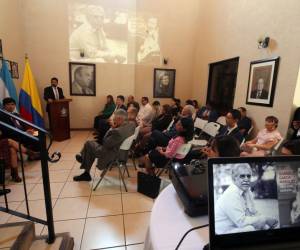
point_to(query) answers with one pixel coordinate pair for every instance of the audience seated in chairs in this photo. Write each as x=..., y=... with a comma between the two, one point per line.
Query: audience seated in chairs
x=109, y=149
x=132, y=103
x=231, y=128
x=291, y=147
x=159, y=156
x=9, y=105
x=158, y=138
x=265, y=140
x=207, y=113
x=245, y=123
x=108, y=110
x=105, y=124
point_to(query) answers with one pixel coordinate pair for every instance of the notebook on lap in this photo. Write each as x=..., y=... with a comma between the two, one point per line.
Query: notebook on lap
x=254, y=203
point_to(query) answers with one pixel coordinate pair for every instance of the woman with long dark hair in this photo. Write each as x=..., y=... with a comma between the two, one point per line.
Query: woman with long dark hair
x=108, y=110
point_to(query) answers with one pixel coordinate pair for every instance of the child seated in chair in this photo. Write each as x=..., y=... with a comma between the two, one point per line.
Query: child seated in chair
x=160, y=156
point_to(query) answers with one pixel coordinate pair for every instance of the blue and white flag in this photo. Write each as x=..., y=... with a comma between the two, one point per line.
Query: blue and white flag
x=7, y=86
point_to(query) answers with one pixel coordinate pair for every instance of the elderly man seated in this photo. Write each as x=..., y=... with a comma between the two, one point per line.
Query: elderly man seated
x=108, y=151
x=235, y=209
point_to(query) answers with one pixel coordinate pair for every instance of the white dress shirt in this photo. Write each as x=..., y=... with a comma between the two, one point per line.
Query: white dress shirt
x=234, y=211
x=55, y=91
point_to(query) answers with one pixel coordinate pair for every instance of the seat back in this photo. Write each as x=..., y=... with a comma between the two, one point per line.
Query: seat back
x=126, y=144
x=136, y=132
x=200, y=123
x=170, y=125
x=212, y=129
x=222, y=120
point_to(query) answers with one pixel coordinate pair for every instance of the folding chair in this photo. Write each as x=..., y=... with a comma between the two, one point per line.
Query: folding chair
x=131, y=151
x=200, y=123
x=170, y=125
x=211, y=129
x=221, y=120
x=119, y=162
x=275, y=148
x=183, y=150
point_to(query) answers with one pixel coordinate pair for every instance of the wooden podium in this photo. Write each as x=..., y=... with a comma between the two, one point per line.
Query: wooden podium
x=60, y=119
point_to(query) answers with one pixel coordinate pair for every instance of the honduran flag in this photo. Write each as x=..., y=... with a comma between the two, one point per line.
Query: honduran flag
x=7, y=86
x=29, y=99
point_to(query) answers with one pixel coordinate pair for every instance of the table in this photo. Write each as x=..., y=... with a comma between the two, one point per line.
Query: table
x=168, y=223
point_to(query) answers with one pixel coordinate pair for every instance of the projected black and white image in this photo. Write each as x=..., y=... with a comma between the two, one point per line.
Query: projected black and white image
x=112, y=32
x=246, y=198
x=164, y=83
x=82, y=79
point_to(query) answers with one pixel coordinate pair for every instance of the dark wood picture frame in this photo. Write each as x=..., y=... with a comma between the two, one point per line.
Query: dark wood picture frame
x=161, y=89
x=85, y=84
x=14, y=70
x=262, y=82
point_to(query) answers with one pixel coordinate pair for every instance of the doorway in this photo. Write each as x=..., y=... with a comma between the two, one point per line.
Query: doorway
x=221, y=84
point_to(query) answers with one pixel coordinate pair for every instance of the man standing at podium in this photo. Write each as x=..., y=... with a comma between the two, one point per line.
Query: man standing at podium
x=52, y=93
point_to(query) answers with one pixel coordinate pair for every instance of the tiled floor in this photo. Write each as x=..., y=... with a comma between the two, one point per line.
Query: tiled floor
x=106, y=218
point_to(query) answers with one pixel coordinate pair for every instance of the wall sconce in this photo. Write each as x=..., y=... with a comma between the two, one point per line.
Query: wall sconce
x=165, y=60
x=263, y=42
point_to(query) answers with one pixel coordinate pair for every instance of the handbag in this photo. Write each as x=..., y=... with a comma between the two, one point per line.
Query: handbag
x=148, y=185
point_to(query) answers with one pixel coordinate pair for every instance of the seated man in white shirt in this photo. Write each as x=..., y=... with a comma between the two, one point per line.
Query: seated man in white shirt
x=235, y=209
x=145, y=114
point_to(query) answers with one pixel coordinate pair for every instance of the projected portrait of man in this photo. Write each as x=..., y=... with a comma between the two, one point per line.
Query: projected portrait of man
x=89, y=39
x=150, y=46
x=235, y=210
x=83, y=82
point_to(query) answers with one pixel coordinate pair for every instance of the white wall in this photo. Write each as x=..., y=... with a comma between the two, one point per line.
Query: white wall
x=231, y=28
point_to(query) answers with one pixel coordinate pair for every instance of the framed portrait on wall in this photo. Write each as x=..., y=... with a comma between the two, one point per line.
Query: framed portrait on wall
x=262, y=82
x=82, y=79
x=14, y=70
x=164, y=83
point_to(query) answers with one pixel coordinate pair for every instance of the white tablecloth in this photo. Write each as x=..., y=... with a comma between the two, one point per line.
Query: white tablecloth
x=168, y=223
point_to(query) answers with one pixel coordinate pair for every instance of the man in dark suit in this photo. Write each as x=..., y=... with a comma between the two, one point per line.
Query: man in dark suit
x=9, y=105
x=109, y=150
x=260, y=92
x=52, y=93
x=231, y=128
x=245, y=123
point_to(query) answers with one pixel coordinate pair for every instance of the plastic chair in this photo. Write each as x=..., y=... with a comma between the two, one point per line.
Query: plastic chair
x=182, y=150
x=170, y=125
x=124, y=149
x=200, y=123
x=275, y=148
x=222, y=120
x=131, y=151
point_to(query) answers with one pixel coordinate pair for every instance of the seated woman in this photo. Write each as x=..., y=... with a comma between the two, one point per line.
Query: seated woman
x=291, y=147
x=265, y=140
x=159, y=156
x=9, y=152
x=106, y=112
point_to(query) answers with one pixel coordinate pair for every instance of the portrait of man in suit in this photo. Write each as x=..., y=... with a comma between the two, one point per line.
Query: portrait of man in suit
x=260, y=92
x=82, y=79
